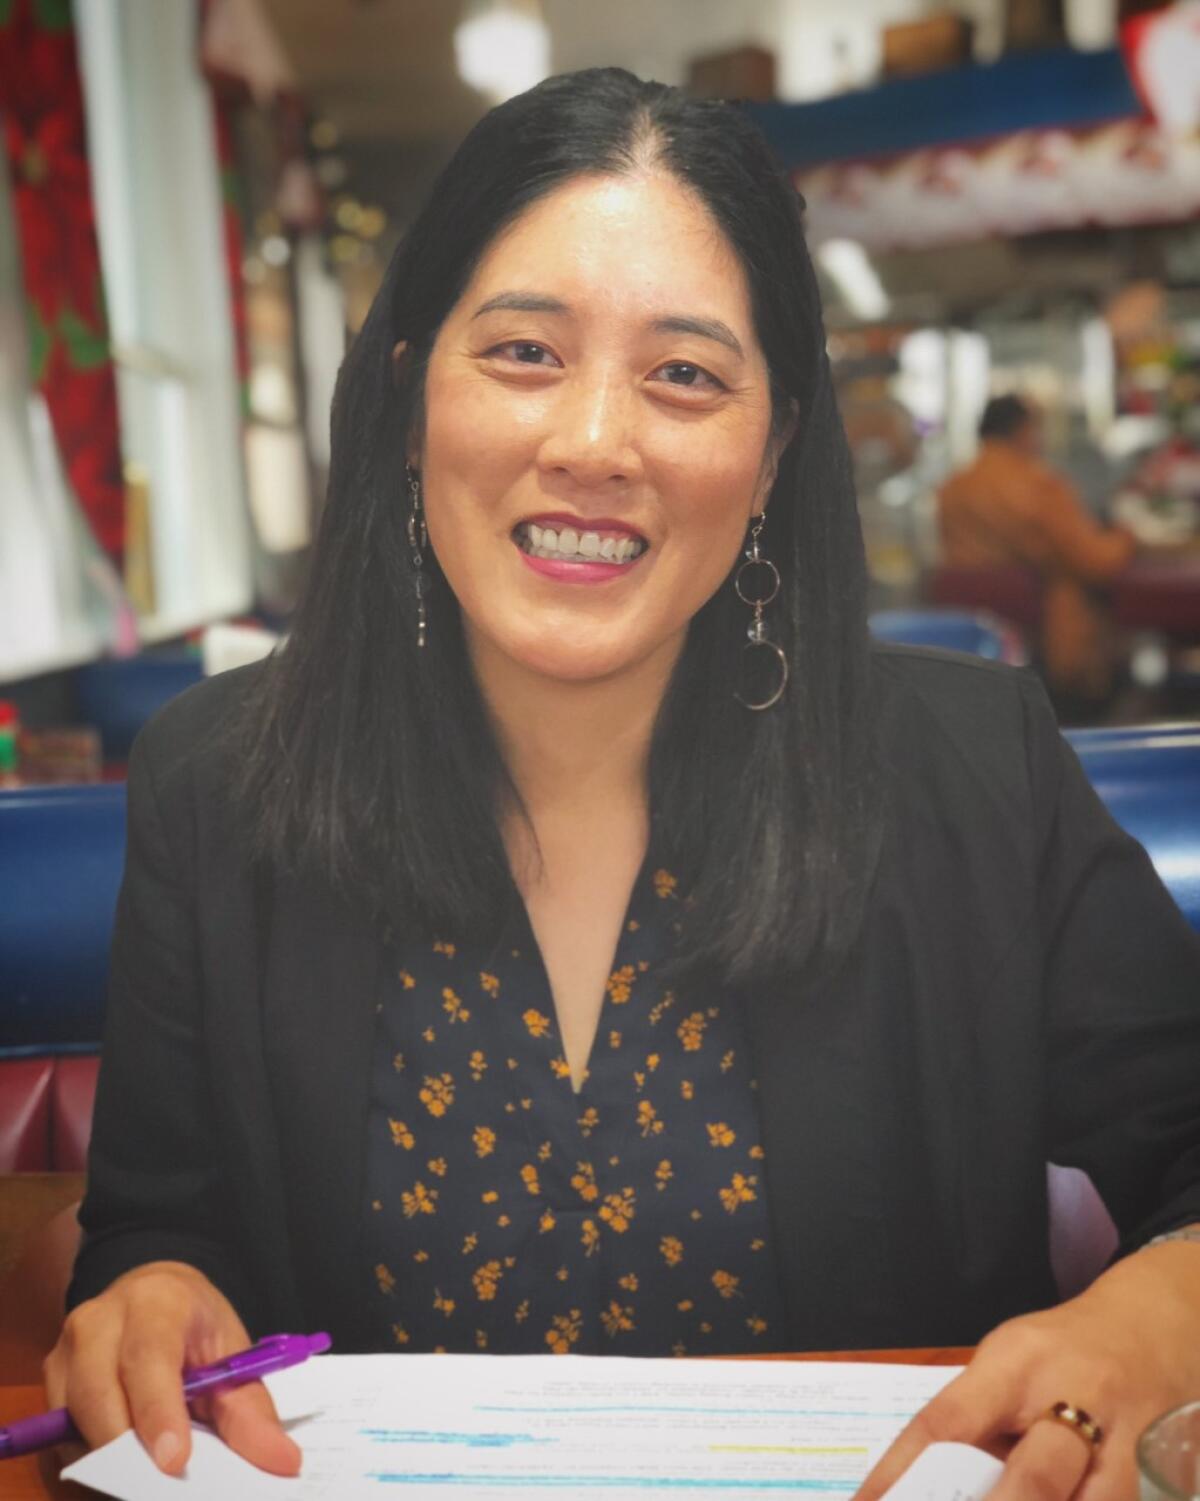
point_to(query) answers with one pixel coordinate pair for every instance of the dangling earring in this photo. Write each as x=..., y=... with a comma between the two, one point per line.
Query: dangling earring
x=418, y=538
x=768, y=588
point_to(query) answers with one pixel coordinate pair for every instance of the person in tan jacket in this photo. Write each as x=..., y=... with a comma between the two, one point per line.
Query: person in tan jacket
x=1009, y=506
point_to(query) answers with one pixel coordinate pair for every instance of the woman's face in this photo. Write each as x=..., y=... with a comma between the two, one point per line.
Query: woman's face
x=600, y=380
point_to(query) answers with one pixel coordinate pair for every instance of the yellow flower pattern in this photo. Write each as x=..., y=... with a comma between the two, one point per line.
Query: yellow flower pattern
x=690, y=1031
x=437, y=1094
x=421, y=1200
x=583, y=1181
x=628, y=1216
x=453, y=1006
x=485, y=1279
x=620, y=984
x=564, y=1331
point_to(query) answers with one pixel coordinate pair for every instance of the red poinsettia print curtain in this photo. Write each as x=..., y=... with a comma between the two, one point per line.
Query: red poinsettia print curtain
x=41, y=108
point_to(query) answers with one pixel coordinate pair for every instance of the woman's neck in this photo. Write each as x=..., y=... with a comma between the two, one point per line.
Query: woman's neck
x=574, y=749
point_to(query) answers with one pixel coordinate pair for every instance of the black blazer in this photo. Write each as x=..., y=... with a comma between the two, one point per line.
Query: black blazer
x=1023, y=990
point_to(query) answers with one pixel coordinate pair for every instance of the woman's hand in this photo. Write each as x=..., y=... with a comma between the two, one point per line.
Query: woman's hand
x=119, y=1359
x=1126, y=1350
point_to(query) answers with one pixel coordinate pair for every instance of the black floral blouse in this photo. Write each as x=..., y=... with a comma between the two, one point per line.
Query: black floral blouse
x=506, y=1212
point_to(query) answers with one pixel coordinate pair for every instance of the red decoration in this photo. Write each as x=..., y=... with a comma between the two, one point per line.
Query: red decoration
x=231, y=227
x=45, y=141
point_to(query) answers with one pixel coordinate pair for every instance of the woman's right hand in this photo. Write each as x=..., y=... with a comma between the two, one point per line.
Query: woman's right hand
x=119, y=1361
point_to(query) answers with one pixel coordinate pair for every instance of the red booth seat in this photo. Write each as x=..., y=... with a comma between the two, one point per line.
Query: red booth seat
x=1011, y=591
x=46, y=1113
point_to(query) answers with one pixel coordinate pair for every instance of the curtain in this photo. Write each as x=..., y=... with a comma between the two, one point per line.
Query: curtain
x=45, y=144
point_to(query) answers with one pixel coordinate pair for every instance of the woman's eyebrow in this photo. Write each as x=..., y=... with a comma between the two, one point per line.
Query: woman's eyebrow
x=675, y=323
x=520, y=302
x=707, y=328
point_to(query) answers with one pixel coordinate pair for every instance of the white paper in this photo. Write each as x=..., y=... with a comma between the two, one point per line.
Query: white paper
x=947, y=1472
x=468, y=1427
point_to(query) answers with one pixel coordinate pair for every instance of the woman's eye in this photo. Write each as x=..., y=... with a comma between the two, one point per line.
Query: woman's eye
x=692, y=377
x=522, y=351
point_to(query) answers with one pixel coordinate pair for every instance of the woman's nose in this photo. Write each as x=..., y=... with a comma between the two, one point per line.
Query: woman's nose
x=591, y=434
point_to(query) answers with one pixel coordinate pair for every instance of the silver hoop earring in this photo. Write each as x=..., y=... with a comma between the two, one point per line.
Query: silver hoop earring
x=757, y=583
x=418, y=540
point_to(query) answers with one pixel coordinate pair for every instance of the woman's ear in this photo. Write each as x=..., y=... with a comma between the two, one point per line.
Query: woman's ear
x=412, y=455
x=784, y=436
x=778, y=441
x=399, y=362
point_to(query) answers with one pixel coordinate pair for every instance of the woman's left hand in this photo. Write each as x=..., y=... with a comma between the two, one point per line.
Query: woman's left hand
x=1125, y=1351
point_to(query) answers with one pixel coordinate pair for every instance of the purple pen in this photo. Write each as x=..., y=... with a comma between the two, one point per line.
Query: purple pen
x=275, y=1353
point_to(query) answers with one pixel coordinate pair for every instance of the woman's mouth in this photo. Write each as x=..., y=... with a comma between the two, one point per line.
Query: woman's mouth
x=570, y=545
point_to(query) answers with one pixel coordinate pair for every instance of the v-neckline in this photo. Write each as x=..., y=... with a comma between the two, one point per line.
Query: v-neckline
x=521, y=931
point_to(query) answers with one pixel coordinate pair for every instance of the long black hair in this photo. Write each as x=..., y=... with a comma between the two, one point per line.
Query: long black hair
x=375, y=764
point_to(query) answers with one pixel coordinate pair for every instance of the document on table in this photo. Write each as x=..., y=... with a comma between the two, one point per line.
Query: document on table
x=464, y=1427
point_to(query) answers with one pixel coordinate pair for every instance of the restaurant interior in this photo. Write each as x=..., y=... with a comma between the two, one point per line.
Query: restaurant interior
x=201, y=197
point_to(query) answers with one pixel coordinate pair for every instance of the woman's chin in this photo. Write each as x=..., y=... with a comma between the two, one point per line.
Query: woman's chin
x=579, y=667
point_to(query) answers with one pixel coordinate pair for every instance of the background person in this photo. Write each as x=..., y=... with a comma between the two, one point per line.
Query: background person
x=504, y=925
x=1009, y=506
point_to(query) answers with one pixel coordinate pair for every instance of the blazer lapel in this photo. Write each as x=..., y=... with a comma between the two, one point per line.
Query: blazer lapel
x=320, y=999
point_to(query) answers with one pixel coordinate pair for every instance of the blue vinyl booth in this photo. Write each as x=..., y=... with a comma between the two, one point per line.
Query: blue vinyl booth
x=119, y=695
x=62, y=848
x=952, y=630
x=61, y=852
x=1150, y=781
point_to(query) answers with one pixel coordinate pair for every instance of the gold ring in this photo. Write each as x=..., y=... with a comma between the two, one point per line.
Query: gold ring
x=1077, y=1420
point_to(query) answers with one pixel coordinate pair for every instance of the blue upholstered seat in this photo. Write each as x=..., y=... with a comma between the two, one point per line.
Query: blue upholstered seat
x=118, y=696
x=61, y=853
x=951, y=630
x=1150, y=780
x=62, y=849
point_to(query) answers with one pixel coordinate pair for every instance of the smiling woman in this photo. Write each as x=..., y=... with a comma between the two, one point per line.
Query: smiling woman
x=605, y=321
x=514, y=964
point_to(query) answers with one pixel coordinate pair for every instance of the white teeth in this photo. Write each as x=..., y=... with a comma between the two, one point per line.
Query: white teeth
x=544, y=542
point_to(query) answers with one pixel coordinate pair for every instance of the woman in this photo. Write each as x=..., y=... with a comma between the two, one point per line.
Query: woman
x=587, y=958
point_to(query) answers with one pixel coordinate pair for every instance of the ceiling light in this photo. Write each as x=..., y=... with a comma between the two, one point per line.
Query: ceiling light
x=502, y=47
x=846, y=264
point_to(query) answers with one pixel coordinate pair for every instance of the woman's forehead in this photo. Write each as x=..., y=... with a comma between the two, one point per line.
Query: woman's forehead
x=642, y=242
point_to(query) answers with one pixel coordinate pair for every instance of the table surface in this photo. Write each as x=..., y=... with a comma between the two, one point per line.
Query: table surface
x=32, y=1477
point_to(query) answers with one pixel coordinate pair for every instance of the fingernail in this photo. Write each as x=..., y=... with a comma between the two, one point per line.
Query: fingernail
x=166, y=1447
